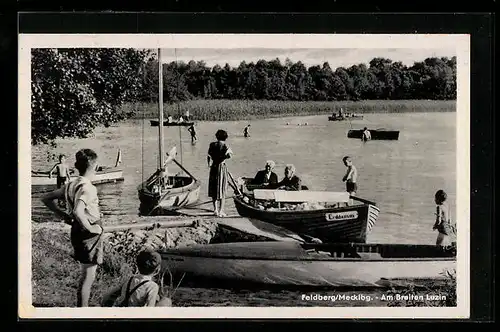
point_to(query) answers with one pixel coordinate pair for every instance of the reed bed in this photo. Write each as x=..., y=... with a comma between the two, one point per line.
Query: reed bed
x=229, y=110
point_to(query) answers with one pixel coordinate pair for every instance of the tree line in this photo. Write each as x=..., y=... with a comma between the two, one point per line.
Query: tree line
x=381, y=79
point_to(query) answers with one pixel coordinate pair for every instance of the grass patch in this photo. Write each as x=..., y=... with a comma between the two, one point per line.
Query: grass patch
x=229, y=110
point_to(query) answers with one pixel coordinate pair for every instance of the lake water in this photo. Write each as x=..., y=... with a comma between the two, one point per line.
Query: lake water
x=400, y=176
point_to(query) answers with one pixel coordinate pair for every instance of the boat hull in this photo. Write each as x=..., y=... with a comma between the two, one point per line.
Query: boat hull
x=346, y=118
x=40, y=182
x=155, y=123
x=287, y=264
x=155, y=204
x=342, y=224
x=375, y=134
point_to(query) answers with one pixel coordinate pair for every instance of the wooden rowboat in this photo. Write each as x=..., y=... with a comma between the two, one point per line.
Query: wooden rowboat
x=341, y=219
x=378, y=134
x=40, y=181
x=320, y=265
x=154, y=123
x=345, y=117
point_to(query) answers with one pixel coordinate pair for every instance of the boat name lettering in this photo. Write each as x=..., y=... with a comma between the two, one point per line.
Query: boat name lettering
x=341, y=215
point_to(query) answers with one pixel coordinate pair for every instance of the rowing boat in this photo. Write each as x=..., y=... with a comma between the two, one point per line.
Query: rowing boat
x=341, y=218
x=154, y=123
x=40, y=181
x=345, y=117
x=378, y=134
x=320, y=265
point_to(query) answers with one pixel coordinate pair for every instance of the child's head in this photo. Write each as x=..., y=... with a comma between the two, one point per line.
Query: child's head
x=148, y=262
x=221, y=135
x=86, y=160
x=62, y=158
x=347, y=160
x=440, y=196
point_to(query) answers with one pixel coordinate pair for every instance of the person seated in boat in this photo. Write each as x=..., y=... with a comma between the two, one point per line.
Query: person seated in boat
x=140, y=290
x=187, y=116
x=366, y=136
x=341, y=113
x=290, y=181
x=181, y=120
x=266, y=176
x=170, y=119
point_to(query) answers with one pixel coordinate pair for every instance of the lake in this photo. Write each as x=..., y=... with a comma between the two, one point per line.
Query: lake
x=400, y=176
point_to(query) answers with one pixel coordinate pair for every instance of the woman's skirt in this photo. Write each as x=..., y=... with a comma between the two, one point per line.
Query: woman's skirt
x=217, y=181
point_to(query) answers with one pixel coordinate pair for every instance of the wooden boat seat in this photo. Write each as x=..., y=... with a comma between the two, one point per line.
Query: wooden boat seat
x=301, y=196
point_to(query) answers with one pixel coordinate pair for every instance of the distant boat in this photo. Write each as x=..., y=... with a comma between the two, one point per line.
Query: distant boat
x=338, y=221
x=376, y=134
x=154, y=123
x=289, y=263
x=345, y=117
x=161, y=192
x=40, y=181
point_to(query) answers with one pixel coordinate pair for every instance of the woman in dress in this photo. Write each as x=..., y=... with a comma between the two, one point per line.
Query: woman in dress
x=218, y=152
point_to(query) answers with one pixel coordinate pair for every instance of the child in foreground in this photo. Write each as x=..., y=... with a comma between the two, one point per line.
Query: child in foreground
x=140, y=290
x=84, y=216
x=443, y=220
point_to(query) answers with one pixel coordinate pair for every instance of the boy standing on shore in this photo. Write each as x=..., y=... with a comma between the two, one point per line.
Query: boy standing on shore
x=84, y=216
x=350, y=177
x=443, y=220
x=62, y=171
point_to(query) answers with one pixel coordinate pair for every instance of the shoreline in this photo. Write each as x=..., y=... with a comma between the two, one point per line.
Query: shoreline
x=239, y=110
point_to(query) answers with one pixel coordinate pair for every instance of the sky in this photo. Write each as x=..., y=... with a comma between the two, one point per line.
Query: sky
x=336, y=57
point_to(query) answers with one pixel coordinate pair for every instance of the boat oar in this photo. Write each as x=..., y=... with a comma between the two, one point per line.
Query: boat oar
x=234, y=183
x=178, y=164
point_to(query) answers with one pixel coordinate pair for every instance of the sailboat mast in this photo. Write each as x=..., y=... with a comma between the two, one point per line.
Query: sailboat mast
x=161, y=158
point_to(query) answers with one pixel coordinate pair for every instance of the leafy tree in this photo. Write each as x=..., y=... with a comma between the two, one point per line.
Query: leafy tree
x=76, y=90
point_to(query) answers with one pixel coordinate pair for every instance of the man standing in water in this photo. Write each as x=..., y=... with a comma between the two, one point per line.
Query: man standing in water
x=245, y=131
x=192, y=131
x=366, y=136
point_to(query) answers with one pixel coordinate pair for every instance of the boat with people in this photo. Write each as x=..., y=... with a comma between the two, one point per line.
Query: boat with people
x=327, y=216
x=377, y=134
x=344, y=117
x=162, y=193
x=155, y=123
x=290, y=263
x=41, y=182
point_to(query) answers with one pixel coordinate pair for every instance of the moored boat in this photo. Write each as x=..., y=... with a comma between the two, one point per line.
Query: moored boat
x=321, y=265
x=327, y=216
x=377, y=134
x=163, y=193
x=40, y=181
x=155, y=123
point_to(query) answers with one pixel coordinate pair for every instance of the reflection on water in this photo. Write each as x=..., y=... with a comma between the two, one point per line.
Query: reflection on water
x=400, y=176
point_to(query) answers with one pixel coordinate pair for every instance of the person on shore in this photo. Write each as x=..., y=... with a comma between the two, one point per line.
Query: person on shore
x=62, y=169
x=341, y=113
x=366, y=135
x=140, y=290
x=291, y=181
x=443, y=220
x=187, y=116
x=84, y=216
x=246, y=132
x=192, y=131
x=218, y=152
x=266, y=176
x=350, y=177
